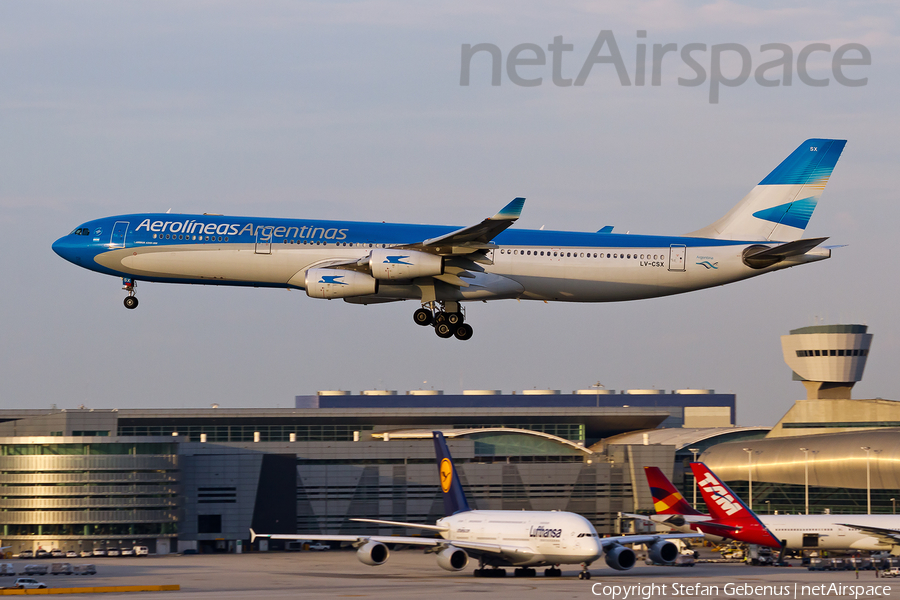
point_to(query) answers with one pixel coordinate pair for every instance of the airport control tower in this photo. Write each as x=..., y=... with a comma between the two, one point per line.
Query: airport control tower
x=829, y=360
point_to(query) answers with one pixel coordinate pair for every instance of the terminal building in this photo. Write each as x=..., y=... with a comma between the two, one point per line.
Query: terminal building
x=201, y=478
x=178, y=479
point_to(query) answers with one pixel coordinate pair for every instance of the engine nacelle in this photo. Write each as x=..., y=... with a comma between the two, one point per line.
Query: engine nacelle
x=452, y=558
x=620, y=558
x=662, y=552
x=339, y=283
x=386, y=263
x=373, y=554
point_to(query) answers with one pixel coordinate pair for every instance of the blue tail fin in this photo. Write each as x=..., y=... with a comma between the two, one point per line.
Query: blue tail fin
x=454, y=498
x=779, y=208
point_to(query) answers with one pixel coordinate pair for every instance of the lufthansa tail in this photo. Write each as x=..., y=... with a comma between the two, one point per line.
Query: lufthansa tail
x=451, y=488
x=780, y=206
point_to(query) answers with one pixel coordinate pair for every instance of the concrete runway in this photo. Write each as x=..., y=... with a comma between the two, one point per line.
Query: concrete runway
x=412, y=574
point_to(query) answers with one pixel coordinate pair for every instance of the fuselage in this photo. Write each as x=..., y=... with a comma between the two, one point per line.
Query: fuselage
x=806, y=532
x=824, y=532
x=525, y=264
x=553, y=538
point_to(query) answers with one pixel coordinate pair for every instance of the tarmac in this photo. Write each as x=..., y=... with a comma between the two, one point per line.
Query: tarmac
x=414, y=575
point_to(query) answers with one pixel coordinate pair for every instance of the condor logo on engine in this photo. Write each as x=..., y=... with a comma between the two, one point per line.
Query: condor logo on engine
x=725, y=500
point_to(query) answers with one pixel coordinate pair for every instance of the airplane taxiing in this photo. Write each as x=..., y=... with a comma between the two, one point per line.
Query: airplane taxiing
x=445, y=266
x=730, y=518
x=519, y=538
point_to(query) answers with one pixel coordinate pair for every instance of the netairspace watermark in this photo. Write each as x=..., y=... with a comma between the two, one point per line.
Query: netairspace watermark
x=737, y=590
x=778, y=70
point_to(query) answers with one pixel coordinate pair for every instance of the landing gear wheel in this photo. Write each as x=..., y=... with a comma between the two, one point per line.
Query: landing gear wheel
x=584, y=575
x=454, y=318
x=440, y=317
x=131, y=302
x=462, y=331
x=443, y=330
x=552, y=572
x=423, y=317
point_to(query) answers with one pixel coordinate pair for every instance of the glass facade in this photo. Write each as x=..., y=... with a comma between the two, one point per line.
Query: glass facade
x=60, y=494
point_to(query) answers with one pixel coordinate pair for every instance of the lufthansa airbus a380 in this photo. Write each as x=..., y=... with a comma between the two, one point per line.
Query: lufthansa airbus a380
x=497, y=538
x=443, y=266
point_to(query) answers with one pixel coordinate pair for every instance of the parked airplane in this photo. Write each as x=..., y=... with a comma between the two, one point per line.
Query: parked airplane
x=795, y=532
x=520, y=538
x=736, y=523
x=443, y=266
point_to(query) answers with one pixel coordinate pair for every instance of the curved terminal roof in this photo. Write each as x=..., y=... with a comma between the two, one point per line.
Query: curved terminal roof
x=418, y=434
x=682, y=437
x=834, y=459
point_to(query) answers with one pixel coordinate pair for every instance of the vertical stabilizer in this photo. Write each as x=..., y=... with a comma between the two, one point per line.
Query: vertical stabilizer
x=451, y=488
x=666, y=499
x=780, y=206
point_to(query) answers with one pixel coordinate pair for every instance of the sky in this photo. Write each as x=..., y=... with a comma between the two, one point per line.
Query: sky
x=355, y=110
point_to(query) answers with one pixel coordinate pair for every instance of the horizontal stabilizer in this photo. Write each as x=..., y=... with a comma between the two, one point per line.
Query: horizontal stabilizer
x=760, y=256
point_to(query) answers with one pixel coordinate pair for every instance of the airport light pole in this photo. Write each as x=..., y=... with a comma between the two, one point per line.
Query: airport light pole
x=694, y=451
x=805, y=451
x=868, y=481
x=749, y=452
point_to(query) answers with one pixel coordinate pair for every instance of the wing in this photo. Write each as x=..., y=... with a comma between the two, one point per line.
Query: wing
x=645, y=539
x=474, y=548
x=463, y=252
x=474, y=237
x=886, y=536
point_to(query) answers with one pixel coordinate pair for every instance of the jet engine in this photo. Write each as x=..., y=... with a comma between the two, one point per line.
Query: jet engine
x=662, y=552
x=338, y=283
x=373, y=554
x=390, y=264
x=452, y=558
x=620, y=558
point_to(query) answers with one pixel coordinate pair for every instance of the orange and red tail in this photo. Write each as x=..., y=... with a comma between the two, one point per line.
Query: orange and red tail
x=666, y=499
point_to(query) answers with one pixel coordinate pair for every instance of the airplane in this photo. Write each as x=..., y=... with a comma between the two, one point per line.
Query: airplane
x=872, y=532
x=445, y=266
x=736, y=522
x=520, y=538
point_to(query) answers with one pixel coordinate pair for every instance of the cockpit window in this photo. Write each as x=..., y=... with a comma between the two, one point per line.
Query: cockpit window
x=81, y=231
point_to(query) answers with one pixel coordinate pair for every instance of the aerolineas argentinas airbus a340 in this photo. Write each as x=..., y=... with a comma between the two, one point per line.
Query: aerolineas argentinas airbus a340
x=444, y=266
x=497, y=538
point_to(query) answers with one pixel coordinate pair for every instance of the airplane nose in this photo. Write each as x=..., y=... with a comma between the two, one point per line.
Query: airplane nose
x=66, y=249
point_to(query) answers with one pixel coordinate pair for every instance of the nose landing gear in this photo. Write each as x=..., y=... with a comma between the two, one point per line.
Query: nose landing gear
x=447, y=318
x=131, y=301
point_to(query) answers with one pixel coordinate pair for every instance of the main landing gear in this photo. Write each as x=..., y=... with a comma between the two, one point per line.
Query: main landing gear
x=553, y=572
x=447, y=318
x=131, y=301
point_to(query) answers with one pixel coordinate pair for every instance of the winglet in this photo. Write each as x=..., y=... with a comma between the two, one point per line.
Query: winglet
x=605, y=229
x=451, y=488
x=252, y=535
x=511, y=211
